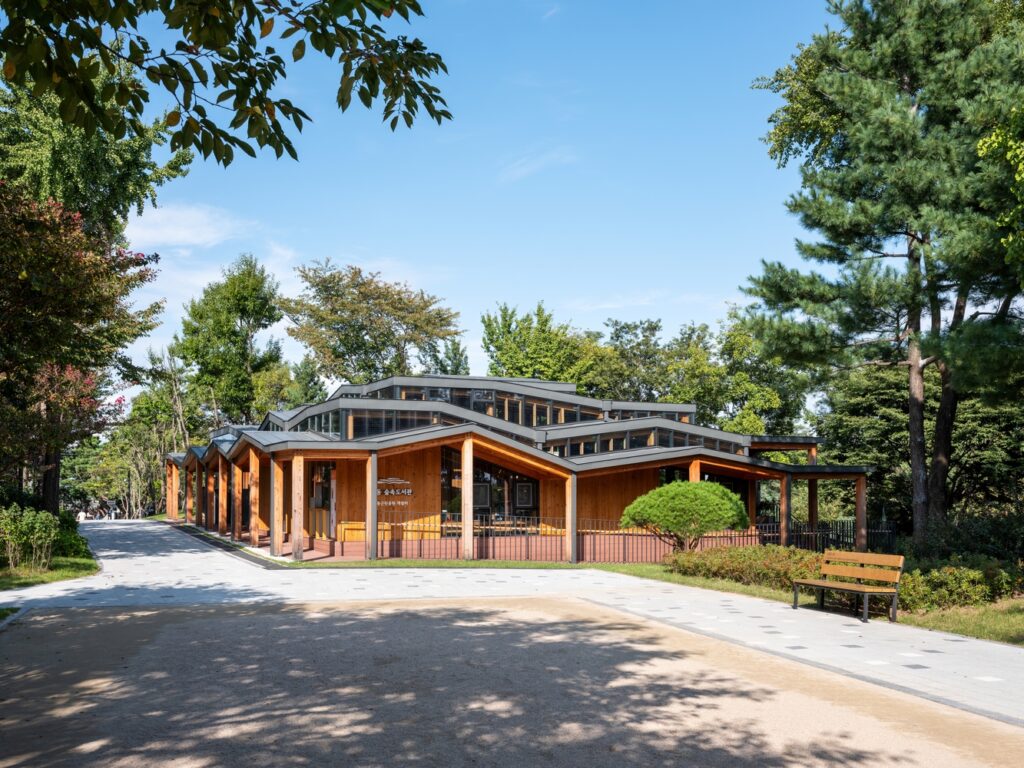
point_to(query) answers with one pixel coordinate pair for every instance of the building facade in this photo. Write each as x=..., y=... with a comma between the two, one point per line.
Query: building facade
x=466, y=467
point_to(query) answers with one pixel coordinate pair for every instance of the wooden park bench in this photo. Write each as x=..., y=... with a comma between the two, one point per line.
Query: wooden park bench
x=881, y=571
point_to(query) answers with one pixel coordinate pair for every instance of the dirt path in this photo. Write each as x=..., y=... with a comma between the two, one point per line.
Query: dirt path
x=509, y=682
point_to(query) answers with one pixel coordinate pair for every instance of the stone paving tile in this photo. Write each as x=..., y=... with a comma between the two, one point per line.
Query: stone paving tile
x=152, y=564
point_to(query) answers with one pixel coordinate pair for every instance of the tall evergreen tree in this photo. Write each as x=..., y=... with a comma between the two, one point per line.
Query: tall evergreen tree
x=218, y=338
x=885, y=114
x=450, y=360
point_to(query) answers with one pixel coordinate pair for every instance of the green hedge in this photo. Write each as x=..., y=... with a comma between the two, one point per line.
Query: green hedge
x=27, y=536
x=69, y=543
x=925, y=585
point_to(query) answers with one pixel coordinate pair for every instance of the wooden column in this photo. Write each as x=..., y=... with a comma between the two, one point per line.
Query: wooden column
x=276, y=507
x=752, y=499
x=338, y=511
x=571, y=539
x=371, y=506
x=468, y=548
x=861, y=513
x=190, y=512
x=695, y=471
x=298, y=505
x=177, y=492
x=222, y=495
x=785, y=499
x=254, y=497
x=208, y=509
x=236, y=502
x=168, y=486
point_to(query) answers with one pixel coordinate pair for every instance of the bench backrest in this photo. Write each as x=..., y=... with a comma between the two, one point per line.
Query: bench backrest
x=862, y=565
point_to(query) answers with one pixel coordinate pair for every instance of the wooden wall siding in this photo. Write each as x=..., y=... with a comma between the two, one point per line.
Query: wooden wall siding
x=606, y=496
x=417, y=516
x=264, y=496
x=286, y=484
x=552, y=502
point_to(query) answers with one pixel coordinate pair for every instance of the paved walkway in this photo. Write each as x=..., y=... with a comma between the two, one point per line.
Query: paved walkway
x=146, y=564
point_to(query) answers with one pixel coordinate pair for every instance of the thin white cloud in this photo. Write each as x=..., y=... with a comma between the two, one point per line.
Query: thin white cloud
x=179, y=227
x=551, y=12
x=534, y=162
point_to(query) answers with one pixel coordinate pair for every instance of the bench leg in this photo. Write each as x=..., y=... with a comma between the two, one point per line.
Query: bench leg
x=865, y=619
x=796, y=595
x=892, y=608
x=821, y=599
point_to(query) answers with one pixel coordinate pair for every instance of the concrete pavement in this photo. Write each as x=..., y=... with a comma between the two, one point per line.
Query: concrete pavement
x=148, y=564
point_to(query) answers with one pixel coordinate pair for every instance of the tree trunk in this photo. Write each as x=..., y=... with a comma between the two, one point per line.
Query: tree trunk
x=942, y=451
x=918, y=457
x=51, y=481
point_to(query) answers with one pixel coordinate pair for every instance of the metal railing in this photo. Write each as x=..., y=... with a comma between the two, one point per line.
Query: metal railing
x=417, y=535
x=497, y=537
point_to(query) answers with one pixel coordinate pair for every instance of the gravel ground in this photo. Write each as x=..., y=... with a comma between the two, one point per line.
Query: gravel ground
x=503, y=682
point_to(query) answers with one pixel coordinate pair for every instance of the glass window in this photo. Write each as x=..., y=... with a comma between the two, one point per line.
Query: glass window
x=412, y=393
x=639, y=439
x=461, y=398
x=589, y=414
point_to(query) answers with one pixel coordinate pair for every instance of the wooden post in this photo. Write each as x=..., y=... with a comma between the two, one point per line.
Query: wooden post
x=695, y=471
x=861, y=540
x=468, y=547
x=785, y=499
x=371, y=507
x=276, y=506
x=338, y=512
x=254, y=497
x=298, y=505
x=208, y=507
x=571, y=539
x=222, y=496
x=236, y=502
x=752, y=499
x=190, y=512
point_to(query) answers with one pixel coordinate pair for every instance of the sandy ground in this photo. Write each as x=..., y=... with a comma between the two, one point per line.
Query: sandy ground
x=510, y=682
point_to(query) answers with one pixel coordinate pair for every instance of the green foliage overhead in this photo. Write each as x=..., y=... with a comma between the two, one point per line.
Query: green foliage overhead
x=680, y=513
x=359, y=327
x=220, y=62
x=885, y=114
x=219, y=336
x=533, y=345
x=99, y=176
x=451, y=359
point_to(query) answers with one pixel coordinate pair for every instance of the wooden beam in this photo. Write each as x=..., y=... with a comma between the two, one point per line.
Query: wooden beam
x=254, y=497
x=298, y=506
x=571, y=539
x=222, y=495
x=236, y=502
x=785, y=501
x=370, y=535
x=468, y=545
x=276, y=506
x=861, y=514
x=190, y=512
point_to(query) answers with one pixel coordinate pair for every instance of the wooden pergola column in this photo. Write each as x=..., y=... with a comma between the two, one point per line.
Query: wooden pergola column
x=468, y=545
x=222, y=496
x=254, y=497
x=861, y=514
x=190, y=513
x=812, y=492
x=370, y=537
x=785, y=504
x=276, y=506
x=695, y=471
x=236, y=502
x=298, y=505
x=208, y=509
x=571, y=539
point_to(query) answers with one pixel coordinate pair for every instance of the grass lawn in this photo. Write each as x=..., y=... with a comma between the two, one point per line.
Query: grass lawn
x=1002, y=621
x=62, y=568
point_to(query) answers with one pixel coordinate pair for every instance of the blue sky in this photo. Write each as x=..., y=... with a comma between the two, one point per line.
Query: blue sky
x=605, y=161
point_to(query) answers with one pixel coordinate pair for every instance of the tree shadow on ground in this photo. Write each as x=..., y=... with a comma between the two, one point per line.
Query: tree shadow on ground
x=432, y=685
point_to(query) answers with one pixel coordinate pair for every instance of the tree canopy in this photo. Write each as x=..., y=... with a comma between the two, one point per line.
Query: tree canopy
x=219, y=63
x=219, y=332
x=359, y=327
x=885, y=115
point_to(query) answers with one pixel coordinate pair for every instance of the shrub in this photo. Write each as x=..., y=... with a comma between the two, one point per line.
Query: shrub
x=680, y=513
x=28, y=534
x=766, y=566
x=69, y=543
x=960, y=580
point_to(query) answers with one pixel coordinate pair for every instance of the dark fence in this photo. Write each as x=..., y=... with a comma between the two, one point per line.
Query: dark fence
x=602, y=541
x=538, y=539
x=403, y=533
